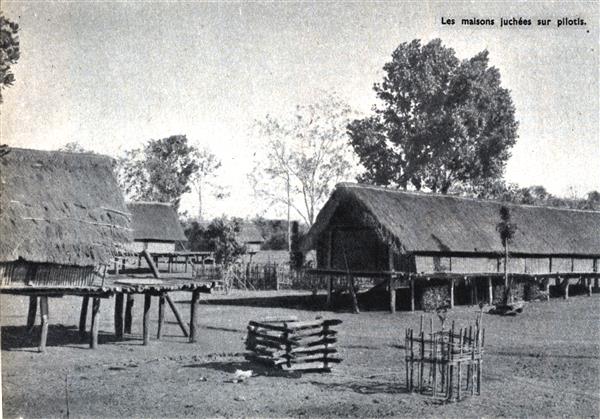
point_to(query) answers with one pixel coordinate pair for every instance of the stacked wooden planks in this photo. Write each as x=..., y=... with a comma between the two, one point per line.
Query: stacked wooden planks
x=289, y=344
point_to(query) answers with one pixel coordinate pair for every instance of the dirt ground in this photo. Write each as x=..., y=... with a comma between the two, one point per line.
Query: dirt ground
x=544, y=362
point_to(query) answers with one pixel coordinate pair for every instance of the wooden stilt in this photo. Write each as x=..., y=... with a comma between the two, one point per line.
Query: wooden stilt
x=392, y=291
x=129, y=313
x=412, y=294
x=83, y=317
x=119, y=297
x=146, y=318
x=44, y=317
x=194, y=316
x=95, y=321
x=161, y=316
x=31, y=313
x=589, y=286
x=452, y=293
x=566, y=288
x=355, y=308
x=490, y=291
x=329, y=291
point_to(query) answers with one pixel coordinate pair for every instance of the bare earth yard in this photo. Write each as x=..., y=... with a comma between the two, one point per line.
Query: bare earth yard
x=545, y=362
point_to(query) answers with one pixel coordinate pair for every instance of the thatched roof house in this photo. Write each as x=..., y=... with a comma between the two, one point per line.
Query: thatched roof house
x=156, y=226
x=250, y=236
x=59, y=211
x=364, y=227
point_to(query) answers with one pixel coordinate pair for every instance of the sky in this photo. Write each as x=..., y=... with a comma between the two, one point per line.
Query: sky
x=112, y=75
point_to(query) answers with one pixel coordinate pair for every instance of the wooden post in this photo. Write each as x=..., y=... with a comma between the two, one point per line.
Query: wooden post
x=452, y=293
x=95, y=320
x=329, y=291
x=355, y=308
x=194, y=315
x=161, y=315
x=146, y=318
x=83, y=317
x=31, y=313
x=490, y=291
x=128, y=313
x=119, y=297
x=156, y=274
x=392, y=287
x=566, y=288
x=412, y=294
x=44, y=320
x=392, y=282
x=589, y=286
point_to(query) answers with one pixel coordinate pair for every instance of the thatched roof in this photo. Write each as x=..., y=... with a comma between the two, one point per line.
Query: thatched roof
x=155, y=221
x=63, y=208
x=249, y=233
x=422, y=223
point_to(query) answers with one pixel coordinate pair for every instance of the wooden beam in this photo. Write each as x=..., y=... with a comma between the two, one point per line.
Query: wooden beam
x=194, y=316
x=129, y=313
x=95, y=322
x=329, y=291
x=119, y=298
x=83, y=317
x=44, y=317
x=178, y=317
x=161, y=315
x=490, y=291
x=452, y=293
x=31, y=313
x=146, y=318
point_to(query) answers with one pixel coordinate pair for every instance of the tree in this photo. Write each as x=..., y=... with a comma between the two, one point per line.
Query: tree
x=159, y=171
x=506, y=228
x=208, y=163
x=9, y=51
x=74, y=147
x=221, y=234
x=302, y=157
x=441, y=121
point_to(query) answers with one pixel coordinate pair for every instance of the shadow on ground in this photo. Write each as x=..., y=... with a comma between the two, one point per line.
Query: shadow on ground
x=19, y=337
x=257, y=369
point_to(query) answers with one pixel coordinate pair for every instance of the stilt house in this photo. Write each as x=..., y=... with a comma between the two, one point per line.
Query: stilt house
x=62, y=217
x=156, y=227
x=368, y=228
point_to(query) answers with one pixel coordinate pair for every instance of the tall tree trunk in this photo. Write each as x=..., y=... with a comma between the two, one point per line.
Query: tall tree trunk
x=199, y=201
x=289, y=225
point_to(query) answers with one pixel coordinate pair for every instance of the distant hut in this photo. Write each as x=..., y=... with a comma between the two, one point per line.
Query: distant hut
x=251, y=237
x=368, y=228
x=62, y=217
x=156, y=227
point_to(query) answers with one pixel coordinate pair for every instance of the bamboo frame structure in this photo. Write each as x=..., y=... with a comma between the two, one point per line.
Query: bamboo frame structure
x=435, y=361
x=288, y=344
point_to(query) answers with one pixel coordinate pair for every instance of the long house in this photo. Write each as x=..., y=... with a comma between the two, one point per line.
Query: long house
x=374, y=229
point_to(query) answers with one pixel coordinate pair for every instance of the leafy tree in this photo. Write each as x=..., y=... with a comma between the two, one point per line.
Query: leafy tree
x=441, y=121
x=161, y=170
x=302, y=157
x=9, y=51
x=274, y=232
x=221, y=235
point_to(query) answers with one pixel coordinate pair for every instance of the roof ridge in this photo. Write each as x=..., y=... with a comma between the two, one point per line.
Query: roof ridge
x=465, y=198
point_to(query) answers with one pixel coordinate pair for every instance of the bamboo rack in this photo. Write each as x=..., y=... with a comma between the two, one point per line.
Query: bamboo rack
x=289, y=344
x=445, y=364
